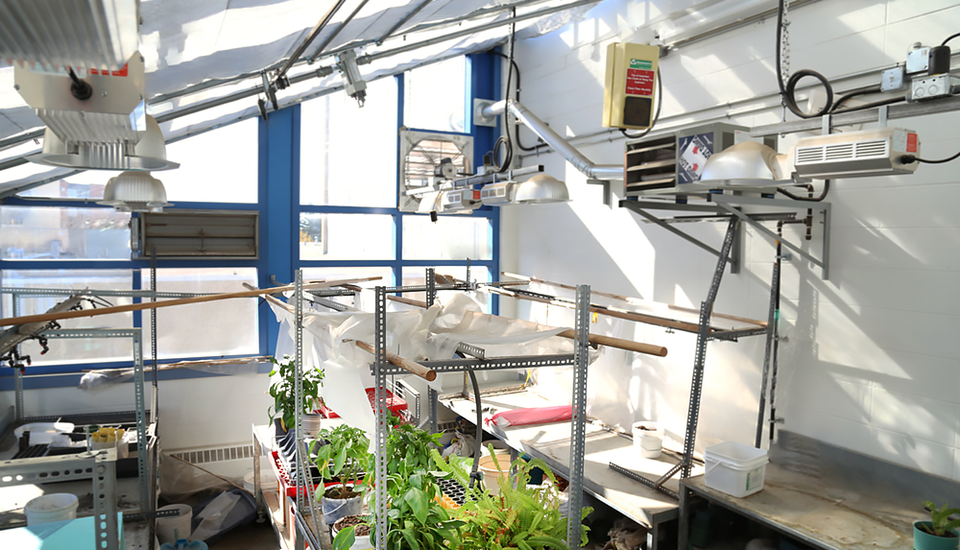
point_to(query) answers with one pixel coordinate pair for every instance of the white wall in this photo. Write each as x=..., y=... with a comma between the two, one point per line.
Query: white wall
x=872, y=361
x=199, y=412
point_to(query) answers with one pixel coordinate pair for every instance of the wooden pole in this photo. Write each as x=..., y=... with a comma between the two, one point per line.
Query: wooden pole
x=631, y=300
x=596, y=339
x=46, y=317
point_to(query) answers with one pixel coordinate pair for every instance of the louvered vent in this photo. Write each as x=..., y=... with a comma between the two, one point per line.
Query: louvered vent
x=875, y=148
x=195, y=233
x=810, y=154
x=843, y=151
x=220, y=454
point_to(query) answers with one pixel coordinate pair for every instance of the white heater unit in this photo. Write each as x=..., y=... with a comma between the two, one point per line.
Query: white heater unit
x=498, y=193
x=459, y=200
x=857, y=154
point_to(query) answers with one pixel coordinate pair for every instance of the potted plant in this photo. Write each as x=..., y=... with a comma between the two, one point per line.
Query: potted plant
x=346, y=456
x=415, y=519
x=352, y=533
x=939, y=533
x=284, y=406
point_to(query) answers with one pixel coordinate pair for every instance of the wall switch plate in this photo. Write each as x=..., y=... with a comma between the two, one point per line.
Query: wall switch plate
x=918, y=60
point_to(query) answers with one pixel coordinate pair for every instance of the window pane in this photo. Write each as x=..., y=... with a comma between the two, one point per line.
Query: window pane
x=348, y=154
x=226, y=327
x=450, y=238
x=42, y=233
x=216, y=166
x=70, y=350
x=366, y=299
x=88, y=185
x=417, y=276
x=434, y=96
x=346, y=237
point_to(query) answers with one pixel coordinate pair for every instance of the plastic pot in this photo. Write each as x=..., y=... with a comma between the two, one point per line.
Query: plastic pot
x=925, y=541
x=336, y=508
x=361, y=543
x=51, y=508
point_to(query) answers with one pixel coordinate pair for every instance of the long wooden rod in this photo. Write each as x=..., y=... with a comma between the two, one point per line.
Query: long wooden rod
x=46, y=317
x=632, y=300
x=412, y=367
x=610, y=341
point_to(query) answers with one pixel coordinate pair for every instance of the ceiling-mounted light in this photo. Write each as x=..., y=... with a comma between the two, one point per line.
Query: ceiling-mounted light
x=135, y=192
x=541, y=189
x=150, y=153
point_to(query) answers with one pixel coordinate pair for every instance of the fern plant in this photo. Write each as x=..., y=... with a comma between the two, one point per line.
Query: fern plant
x=940, y=524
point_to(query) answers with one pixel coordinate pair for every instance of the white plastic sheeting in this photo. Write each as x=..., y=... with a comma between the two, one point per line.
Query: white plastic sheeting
x=186, y=43
x=434, y=333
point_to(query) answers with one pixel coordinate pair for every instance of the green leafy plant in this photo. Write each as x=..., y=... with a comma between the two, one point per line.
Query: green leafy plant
x=940, y=524
x=346, y=454
x=345, y=538
x=518, y=518
x=282, y=391
x=408, y=450
x=415, y=520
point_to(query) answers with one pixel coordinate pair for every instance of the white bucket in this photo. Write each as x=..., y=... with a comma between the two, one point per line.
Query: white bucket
x=172, y=528
x=648, y=438
x=51, y=508
x=335, y=508
x=499, y=447
x=734, y=468
x=359, y=543
x=491, y=476
x=268, y=480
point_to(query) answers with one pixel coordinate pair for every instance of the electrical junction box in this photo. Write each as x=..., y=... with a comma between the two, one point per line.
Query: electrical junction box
x=629, y=90
x=931, y=87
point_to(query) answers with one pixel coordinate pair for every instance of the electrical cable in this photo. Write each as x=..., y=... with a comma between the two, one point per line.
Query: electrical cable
x=907, y=159
x=516, y=128
x=504, y=140
x=656, y=115
x=788, y=90
x=846, y=96
x=823, y=194
x=478, y=441
x=949, y=38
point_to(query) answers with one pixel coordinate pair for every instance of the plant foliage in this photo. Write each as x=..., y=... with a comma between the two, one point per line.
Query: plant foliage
x=346, y=454
x=940, y=524
x=282, y=390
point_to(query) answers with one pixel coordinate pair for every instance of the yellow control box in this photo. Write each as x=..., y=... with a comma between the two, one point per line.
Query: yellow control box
x=629, y=89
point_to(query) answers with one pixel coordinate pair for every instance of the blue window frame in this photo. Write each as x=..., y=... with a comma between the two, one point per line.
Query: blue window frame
x=280, y=209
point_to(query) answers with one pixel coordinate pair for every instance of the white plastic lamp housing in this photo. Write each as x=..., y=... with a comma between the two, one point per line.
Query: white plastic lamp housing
x=541, y=189
x=135, y=192
x=150, y=153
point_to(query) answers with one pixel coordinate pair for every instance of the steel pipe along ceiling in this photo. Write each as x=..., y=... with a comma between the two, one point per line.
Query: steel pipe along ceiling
x=555, y=140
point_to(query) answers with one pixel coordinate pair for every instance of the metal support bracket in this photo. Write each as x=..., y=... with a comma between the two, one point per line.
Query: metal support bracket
x=727, y=203
x=607, y=199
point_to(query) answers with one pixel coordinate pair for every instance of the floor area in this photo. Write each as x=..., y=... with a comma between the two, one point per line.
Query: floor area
x=252, y=536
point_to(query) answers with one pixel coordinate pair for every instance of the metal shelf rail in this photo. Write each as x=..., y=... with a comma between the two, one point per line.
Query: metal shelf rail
x=99, y=466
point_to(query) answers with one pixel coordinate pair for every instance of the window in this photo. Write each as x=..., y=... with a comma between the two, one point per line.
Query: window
x=88, y=185
x=340, y=273
x=43, y=233
x=225, y=327
x=346, y=236
x=216, y=166
x=348, y=155
x=434, y=96
x=417, y=276
x=450, y=238
x=71, y=350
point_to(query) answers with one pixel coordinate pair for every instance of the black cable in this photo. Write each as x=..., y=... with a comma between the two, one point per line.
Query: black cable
x=504, y=139
x=949, y=38
x=79, y=88
x=866, y=106
x=516, y=128
x=907, y=159
x=846, y=96
x=823, y=195
x=787, y=91
x=656, y=115
x=478, y=442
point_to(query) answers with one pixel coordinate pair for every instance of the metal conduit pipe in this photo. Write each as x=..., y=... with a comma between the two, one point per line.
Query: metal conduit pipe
x=555, y=140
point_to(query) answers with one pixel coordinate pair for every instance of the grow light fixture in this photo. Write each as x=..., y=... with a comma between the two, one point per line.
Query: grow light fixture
x=541, y=189
x=135, y=192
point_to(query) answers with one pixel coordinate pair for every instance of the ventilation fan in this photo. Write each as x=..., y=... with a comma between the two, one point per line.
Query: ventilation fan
x=427, y=161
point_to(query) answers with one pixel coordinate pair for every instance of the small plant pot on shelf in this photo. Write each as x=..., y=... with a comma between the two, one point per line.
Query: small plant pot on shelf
x=361, y=534
x=336, y=508
x=925, y=541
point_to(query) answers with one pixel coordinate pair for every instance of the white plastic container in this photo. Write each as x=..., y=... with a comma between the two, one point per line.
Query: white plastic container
x=172, y=528
x=491, y=475
x=51, y=508
x=648, y=438
x=734, y=468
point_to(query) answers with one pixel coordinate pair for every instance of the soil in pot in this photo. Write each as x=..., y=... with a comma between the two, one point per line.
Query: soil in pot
x=362, y=529
x=338, y=493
